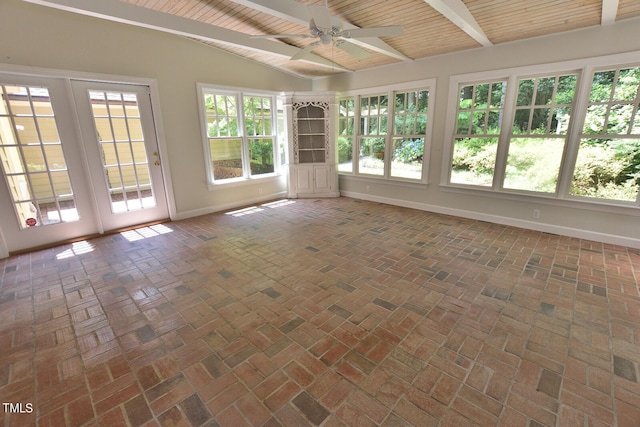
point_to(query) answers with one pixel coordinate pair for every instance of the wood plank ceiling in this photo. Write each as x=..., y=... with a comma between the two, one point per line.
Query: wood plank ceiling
x=431, y=27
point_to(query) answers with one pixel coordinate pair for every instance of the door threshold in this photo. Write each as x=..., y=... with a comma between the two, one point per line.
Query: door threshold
x=87, y=237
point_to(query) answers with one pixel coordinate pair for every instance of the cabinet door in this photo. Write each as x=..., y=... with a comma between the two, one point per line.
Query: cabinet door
x=322, y=178
x=304, y=179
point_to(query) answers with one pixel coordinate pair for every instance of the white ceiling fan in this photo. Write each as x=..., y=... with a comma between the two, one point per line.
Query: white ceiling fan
x=328, y=30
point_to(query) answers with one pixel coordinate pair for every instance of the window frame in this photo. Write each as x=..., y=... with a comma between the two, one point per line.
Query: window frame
x=500, y=136
x=567, y=136
x=584, y=69
x=580, y=134
x=390, y=92
x=276, y=134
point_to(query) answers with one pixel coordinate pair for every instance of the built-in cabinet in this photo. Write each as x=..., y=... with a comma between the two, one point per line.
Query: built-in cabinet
x=311, y=149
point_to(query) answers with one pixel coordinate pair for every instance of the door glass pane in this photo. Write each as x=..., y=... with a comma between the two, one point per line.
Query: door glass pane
x=48, y=129
x=113, y=178
x=26, y=130
x=55, y=157
x=143, y=176
x=135, y=129
x=109, y=157
x=32, y=158
x=11, y=160
x=139, y=153
x=124, y=153
x=103, y=127
x=61, y=184
x=35, y=158
x=125, y=163
x=120, y=129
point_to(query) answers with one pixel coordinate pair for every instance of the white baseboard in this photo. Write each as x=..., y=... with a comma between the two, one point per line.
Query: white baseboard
x=531, y=225
x=239, y=204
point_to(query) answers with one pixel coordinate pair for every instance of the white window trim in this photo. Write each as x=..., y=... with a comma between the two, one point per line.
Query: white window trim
x=389, y=91
x=240, y=94
x=584, y=68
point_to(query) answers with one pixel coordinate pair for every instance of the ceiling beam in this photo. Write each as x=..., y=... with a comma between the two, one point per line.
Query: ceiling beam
x=114, y=10
x=298, y=13
x=456, y=12
x=609, y=12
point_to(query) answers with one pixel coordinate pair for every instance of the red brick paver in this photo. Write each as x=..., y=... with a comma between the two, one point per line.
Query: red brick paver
x=323, y=312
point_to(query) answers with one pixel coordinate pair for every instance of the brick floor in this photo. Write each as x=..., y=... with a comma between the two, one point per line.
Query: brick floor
x=322, y=312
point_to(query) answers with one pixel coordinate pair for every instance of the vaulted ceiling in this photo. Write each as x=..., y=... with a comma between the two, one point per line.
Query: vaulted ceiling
x=430, y=27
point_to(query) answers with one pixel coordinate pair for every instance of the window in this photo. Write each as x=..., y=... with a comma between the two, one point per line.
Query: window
x=566, y=134
x=373, y=128
x=386, y=132
x=608, y=161
x=346, y=133
x=539, y=132
x=241, y=135
x=409, y=131
x=479, y=120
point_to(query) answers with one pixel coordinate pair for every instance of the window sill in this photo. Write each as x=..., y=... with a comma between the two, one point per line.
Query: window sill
x=243, y=182
x=382, y=180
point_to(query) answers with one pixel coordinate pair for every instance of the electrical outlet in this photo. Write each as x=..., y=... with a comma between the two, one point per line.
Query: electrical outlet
x=536, y=214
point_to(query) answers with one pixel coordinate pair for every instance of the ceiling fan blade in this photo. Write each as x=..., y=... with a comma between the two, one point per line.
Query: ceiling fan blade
x=352, y=49
x=321, y=16
x=392, y=30
x=279, y=36
x=306, y=51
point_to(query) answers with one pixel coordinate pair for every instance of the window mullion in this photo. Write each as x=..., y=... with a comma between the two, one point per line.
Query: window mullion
x=244, y=142
x=574, y=132
x=391, y=108
x=506, y=128
x=275, y=144
x=355, y=150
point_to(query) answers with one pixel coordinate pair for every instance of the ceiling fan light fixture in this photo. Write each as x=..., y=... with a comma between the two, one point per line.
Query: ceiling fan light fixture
x=327, y=30
x=326, y=38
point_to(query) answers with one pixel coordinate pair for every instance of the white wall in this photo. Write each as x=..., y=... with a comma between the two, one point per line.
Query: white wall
x=588, y=221
x=36, y=36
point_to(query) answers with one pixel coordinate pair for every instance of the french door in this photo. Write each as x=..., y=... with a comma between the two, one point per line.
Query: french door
x=45, y=196
x=116, y=123
x=58, y=183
